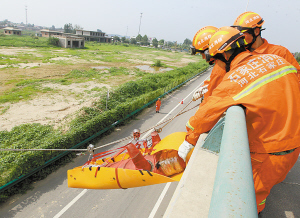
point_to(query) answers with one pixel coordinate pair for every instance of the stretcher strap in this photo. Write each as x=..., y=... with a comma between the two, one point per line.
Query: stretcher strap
x=117, y=178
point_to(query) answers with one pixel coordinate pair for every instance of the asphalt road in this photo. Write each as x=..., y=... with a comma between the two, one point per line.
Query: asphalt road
x=51, y=197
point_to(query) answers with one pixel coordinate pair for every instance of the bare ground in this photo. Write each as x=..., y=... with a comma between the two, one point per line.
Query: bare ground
x=57, y=108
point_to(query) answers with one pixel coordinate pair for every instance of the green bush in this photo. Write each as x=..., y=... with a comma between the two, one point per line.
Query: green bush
x=157, y=64
x=123, y=101
x=53, y=41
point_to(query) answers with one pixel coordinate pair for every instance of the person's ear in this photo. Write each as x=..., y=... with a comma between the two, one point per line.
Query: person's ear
x=256, y=31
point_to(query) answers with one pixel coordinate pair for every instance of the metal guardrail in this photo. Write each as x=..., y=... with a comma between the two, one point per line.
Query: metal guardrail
x=21, y=178
x=233, y=194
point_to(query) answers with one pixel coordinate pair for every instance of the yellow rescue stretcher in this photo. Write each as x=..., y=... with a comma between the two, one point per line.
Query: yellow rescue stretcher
x=93, y=175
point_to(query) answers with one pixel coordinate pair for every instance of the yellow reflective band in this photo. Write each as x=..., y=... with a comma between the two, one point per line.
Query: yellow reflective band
x=189, y=125
x=265, y=80
x=221, y=33
x=238, y=44
x=208, y=79
x=202, y=32
x=263, y=202
x=207, y=31
x=244, y=17
x=228, y=48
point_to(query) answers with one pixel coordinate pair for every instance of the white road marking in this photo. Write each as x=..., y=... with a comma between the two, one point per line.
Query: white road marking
x=161, y=197
x=289, y=214
x=70, y=204
x=162, y=194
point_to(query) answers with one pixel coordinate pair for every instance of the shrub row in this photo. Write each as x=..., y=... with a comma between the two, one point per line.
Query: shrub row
x=123, y=101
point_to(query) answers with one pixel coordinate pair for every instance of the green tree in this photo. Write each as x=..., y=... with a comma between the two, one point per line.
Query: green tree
x=187, y=42
x=155, y=42
x=68, y=28
x=77, y=27
x=133, y=41
x=139, y=38
x=161, y=42
x=145, y=40
x=169, y=44
x=123, y=39
x=117, y=39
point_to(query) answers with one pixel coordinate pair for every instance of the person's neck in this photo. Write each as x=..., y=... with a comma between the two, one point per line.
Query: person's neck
x=258, y=42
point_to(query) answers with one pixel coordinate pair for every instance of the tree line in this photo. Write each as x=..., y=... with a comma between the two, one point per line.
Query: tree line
x=144, y=41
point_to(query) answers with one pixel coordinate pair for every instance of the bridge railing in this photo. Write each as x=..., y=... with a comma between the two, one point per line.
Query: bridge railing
x=218, y=180
x=233, y=193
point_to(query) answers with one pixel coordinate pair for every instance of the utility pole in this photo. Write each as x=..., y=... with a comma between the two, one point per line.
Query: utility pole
x=140, y=23
x=26, y=13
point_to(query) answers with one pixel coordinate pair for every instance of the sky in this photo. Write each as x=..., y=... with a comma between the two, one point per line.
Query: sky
x=171, y=20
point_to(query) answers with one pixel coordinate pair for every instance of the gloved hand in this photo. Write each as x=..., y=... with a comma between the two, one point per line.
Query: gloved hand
x=184, y=149
x=200, y=92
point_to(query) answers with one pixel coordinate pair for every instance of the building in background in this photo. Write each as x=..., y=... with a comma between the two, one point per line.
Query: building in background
x=48, y=33
x=97, y=36
x=12, y=31
x=70, y=41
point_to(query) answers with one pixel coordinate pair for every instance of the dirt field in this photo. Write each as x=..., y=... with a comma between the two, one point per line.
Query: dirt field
x=57, y=106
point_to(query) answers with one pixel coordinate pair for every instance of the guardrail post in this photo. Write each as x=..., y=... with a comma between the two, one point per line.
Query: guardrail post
x=234, y=194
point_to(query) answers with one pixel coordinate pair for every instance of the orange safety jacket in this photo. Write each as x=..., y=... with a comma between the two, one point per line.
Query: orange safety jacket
x=281, y=51
x=158, y=104
x=267, y=86
x=216, y=78
x=206, y=82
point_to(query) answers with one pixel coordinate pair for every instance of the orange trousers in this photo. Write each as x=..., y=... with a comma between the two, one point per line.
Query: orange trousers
x=269, y=170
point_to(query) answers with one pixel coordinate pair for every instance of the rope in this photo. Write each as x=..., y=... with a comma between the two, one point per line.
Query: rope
x=40, y=149
x=111, y=143
x=179, y=113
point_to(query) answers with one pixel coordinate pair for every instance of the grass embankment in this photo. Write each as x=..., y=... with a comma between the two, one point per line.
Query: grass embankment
x=124, y=99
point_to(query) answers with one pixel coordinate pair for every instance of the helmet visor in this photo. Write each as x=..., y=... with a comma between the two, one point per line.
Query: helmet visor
x=194, y=50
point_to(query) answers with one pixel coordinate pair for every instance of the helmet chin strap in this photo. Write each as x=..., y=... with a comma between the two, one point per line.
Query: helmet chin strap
x=254, y=37
x=228, y=62
x=235, y=53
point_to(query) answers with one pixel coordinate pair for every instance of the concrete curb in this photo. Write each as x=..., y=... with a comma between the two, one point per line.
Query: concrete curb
x=193, y=194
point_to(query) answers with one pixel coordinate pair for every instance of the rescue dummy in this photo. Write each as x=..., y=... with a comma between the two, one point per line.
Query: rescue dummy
x=158, y=104
x=250, y=24
x=256, y=82
x=141, y=162
x=200, y=45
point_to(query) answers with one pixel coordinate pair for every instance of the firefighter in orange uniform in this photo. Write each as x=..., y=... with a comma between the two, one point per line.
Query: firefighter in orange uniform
x=256, y=82
x=250, y=24
x=158, y=104
x=200, y=44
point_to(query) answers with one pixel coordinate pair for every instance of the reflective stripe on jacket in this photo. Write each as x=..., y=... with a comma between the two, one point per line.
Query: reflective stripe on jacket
x=281, y=51
x=267, y=86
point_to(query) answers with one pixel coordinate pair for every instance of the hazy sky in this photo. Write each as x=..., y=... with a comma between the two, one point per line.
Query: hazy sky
x=170, y=20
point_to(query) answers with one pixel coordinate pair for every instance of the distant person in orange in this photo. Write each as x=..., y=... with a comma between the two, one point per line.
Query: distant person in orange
x=158, y=104
x=267, y=86
x=200, y=45
x=250, y=24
